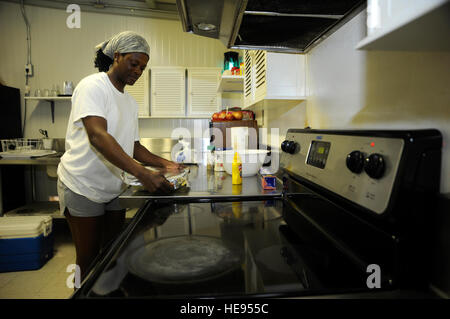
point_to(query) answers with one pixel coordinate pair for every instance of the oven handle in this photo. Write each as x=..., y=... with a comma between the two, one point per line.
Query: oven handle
x=212, y=199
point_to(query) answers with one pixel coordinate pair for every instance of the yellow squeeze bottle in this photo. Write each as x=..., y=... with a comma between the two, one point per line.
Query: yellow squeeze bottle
x=236, y=169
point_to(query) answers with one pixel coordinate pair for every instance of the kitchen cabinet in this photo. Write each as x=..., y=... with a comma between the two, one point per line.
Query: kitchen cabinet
x=273, y=76
x=410, y=25
x=177, y=92
x=203, y=98
x=140, y=91
x=168, y=91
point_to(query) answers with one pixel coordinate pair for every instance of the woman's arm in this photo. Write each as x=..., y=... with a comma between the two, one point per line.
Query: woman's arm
x=144, y=156
x=96, y=128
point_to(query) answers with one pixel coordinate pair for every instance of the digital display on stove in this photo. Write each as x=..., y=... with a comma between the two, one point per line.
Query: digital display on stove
x=318, y=153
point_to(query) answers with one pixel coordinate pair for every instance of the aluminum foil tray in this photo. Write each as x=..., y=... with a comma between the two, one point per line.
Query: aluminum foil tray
x=177, y=180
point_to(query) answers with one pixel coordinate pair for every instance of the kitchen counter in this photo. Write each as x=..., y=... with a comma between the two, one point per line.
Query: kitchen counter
x=52, y=159
x=204, y=185
x=162, y=147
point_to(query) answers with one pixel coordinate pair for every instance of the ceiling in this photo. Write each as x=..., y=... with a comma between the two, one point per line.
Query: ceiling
x=158, y=9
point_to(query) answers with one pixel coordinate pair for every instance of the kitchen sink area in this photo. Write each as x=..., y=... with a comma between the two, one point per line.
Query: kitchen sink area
x=45, y=166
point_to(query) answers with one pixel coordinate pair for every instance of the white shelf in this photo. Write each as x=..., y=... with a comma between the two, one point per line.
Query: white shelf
x=49, y=98
x=231, y=83
x=424, y=30
x=276, y=99
x=176, y=117
x=52, y=100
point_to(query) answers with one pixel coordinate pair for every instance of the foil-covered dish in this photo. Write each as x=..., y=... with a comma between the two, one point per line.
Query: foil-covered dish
x=177, y=179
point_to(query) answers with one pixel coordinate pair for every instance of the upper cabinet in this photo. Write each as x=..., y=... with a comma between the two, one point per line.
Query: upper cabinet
x=203, y=97
x=168, y=89
x=273, y=76
x=408, y=25
x=140, y=92
x=177, y=92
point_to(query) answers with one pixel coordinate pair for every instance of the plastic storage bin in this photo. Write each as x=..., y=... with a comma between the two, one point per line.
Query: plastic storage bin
x=26, y=242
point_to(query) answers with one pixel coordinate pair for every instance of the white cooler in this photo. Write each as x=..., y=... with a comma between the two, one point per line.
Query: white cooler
x=26, y=242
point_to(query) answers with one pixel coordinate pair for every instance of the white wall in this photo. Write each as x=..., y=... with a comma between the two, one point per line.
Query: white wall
x=60, y=53
x=349, y=88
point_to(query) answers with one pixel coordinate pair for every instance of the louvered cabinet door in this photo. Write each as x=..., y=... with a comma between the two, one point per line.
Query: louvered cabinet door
x=255, y=84
x=168, y=91
x=203, y=97
x=140, y=91
x=248, y=92
x=259, y=75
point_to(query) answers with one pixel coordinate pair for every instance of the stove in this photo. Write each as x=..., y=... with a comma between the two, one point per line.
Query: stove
x=348, y=217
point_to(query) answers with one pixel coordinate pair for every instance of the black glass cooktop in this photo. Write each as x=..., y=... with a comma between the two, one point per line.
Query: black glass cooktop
x=218, y=249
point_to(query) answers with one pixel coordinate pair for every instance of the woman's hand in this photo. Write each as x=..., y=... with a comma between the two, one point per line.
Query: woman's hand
x=173, y=167
x=154, y=182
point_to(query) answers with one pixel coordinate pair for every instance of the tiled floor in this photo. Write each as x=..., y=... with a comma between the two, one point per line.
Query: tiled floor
x=49, y=282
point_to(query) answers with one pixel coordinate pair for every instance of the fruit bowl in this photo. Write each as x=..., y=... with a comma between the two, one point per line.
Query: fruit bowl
x=232, y=115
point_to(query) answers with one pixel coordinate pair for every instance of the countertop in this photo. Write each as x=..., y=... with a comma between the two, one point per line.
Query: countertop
x=205, y=185
x=52, y=159
x=160, y=146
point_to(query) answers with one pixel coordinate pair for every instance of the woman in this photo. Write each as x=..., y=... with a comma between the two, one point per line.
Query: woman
x=102, y=141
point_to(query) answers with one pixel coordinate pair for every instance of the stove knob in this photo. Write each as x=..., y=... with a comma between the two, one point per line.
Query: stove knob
x=355, y=161
x=293, y=147
x=283, y=145
x=290, y=147
x=374, y=165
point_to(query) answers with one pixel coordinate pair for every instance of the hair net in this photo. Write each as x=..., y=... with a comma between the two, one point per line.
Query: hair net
x=124, y=42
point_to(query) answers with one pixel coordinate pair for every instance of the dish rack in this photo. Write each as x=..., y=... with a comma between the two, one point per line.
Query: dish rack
x=20, y=145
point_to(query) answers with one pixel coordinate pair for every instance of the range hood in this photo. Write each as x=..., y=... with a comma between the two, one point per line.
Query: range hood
x=272, y=25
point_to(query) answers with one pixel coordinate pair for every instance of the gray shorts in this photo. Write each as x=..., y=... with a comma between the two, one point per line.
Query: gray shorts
x=81, y=206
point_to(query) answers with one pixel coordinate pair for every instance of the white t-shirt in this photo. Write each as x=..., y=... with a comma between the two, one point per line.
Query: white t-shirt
x=83, y=169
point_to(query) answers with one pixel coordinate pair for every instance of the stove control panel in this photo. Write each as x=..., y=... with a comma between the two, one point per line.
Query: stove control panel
x=362, y=169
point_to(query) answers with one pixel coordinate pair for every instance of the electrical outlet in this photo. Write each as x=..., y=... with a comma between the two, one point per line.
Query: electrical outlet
x=29, y=69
